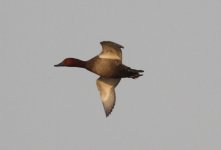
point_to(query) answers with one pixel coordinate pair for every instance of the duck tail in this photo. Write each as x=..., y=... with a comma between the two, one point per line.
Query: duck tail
x=136, y=73
x=133, y=73
x=127, y=72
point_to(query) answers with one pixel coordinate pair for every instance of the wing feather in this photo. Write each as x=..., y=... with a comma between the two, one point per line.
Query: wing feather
x=111, y=50
x=106, y=87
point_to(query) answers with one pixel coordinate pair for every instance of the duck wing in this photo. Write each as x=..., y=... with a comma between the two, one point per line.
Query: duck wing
x=111, y=50
x=106, y=87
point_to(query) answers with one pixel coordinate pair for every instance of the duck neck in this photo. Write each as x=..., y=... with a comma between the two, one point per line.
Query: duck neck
x=78, y=63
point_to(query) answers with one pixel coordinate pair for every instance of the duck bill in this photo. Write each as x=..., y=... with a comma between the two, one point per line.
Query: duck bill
x=59, y=65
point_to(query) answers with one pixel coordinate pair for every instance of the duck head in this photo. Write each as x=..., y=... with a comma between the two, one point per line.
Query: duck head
x=71, y=62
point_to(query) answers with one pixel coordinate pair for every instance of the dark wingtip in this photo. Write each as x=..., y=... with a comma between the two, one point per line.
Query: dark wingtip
x=110, y=43
x=107, y=114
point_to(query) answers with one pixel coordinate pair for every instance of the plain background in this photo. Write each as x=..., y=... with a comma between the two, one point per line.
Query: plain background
x=174, y=106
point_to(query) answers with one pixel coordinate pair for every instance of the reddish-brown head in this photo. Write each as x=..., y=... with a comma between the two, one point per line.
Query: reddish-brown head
x=71, y=62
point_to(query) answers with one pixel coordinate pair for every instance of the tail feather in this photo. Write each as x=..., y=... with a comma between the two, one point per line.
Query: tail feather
x=127, y=72
x=137, y=74
x=133, y=73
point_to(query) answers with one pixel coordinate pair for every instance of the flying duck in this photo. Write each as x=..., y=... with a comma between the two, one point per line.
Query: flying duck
x=108, y=65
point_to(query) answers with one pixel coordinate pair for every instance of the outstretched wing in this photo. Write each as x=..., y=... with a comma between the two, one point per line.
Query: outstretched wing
x=106, y=87
x=111, y=50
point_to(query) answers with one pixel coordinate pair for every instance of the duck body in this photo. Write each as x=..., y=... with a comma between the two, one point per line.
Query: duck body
x=110, y=68
x=108, y=65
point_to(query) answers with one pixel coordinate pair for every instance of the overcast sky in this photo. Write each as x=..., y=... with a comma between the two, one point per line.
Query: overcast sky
x=176, y=105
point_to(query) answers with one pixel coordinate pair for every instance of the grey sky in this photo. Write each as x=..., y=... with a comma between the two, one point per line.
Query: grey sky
x=174, y=106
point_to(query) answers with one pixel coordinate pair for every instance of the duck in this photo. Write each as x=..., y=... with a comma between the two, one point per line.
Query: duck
x=110, y=69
